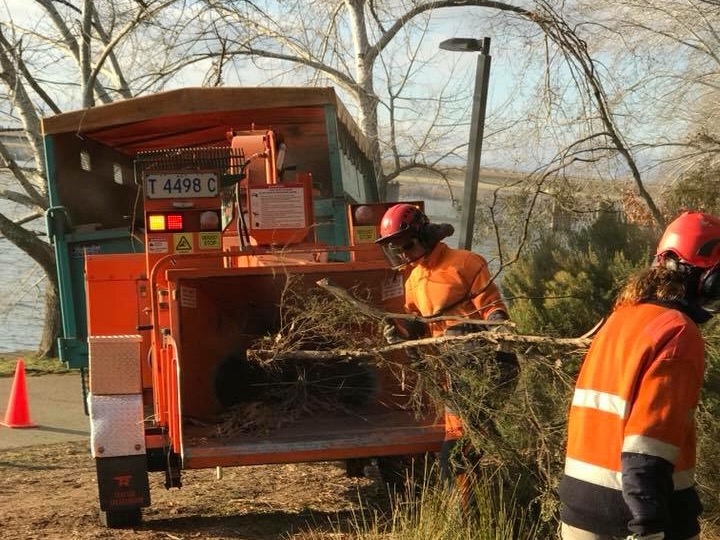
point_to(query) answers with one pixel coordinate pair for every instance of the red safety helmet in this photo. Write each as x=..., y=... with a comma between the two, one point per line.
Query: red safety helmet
x=399, y=220
x=694, y=238
x=401, y=231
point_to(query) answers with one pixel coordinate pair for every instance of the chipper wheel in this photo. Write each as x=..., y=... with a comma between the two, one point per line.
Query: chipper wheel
x=118, y=519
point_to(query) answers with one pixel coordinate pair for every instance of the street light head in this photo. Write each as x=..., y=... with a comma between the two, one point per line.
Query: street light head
x=462, y=44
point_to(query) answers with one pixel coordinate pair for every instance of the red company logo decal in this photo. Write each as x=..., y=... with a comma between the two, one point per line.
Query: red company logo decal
x=122, y=481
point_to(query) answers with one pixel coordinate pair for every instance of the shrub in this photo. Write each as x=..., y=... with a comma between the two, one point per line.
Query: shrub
x=567, y=282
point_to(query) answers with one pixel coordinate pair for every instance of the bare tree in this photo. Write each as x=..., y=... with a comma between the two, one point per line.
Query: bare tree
x=347, y=41
x=584, y=94
x=40, y=58
x=341, y=42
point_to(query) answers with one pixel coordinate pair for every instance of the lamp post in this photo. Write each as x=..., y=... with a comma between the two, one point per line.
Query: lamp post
x=477, y=127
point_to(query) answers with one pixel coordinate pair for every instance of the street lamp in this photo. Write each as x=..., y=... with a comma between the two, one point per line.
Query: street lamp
x=477, y=126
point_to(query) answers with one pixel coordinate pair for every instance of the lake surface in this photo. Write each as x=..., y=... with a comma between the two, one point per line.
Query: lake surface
x=22, y=281
x=22, y=286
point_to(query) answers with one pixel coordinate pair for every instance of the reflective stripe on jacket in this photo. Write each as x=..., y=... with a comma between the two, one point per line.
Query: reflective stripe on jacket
x=451, y=282
x=631, y=433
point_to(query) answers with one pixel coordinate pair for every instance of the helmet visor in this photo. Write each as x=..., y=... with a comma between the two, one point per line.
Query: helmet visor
x=402, y=251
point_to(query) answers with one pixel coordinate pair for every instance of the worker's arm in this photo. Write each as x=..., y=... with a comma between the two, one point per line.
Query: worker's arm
x=485, y=294
x=659, y=423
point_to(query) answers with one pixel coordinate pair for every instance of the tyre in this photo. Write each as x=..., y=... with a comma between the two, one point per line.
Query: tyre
x=118, y=519
x=405, y=475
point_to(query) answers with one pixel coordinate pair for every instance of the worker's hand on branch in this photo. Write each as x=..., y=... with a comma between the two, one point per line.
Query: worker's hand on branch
x=403, y=330
x=500, y=329
x=505, y=358
x=392, y=334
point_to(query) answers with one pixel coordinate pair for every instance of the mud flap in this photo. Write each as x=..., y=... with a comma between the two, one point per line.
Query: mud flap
x=123, y=483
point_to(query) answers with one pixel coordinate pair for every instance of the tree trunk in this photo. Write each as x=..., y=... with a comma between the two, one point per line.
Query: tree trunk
x=43, y=254
x=51, y=325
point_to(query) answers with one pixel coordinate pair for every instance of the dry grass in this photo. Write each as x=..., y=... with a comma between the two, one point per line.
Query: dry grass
x=33, y=364
x=520, y=431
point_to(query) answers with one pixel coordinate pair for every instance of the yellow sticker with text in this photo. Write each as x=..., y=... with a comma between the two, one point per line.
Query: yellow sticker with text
x=365, y=234
x=209, y=240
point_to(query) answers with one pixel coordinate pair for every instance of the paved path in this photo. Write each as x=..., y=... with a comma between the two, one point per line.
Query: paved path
x=56, y=406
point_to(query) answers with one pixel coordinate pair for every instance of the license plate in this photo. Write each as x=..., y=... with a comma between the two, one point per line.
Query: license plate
x=181, y=185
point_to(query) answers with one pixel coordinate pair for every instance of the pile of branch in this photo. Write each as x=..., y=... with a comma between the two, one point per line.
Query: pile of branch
x=326, y=354
x=279, y=380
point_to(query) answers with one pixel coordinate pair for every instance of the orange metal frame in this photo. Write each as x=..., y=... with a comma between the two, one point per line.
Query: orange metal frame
x=167, y=274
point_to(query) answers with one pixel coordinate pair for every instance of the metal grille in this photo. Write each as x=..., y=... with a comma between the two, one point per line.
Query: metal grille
x=225, y=160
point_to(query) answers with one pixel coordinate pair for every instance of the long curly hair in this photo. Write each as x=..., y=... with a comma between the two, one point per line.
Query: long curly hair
x=432, y=233
x=656, y=283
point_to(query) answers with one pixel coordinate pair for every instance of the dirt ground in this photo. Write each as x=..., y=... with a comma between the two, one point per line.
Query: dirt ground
x=49, y=492
x=48, y=485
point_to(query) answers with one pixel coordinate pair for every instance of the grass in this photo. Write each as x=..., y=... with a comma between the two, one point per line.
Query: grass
x=439, y=513
x=33, y=364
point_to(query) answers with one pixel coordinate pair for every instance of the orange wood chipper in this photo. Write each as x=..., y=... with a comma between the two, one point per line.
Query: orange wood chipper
x=178, y=220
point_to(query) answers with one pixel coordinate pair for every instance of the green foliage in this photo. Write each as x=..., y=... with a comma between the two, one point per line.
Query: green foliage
x=696, y=190
x=439, y=513
x=515, y=430
x=708, y=425
x=567, y=281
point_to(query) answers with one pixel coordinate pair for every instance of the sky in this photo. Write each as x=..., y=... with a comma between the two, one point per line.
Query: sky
x=512, y=102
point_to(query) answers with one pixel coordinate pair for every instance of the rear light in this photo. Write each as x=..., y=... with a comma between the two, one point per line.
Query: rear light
x=156, y=222
x=174, y=222
x=165, y=222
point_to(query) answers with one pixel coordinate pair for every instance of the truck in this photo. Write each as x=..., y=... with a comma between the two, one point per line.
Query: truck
x=177, y=220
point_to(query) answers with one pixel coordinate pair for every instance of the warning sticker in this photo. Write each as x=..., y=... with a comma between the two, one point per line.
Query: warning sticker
x=183, y=243
x=158, y=244
x=209, y=240
x=392, y=287
x=188, y=297
x=365, y=234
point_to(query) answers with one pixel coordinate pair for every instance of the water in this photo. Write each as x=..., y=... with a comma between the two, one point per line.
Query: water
x=22, y=286
x=22, y=281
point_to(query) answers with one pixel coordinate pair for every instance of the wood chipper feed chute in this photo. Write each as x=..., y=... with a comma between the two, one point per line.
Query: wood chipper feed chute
x=249, y=390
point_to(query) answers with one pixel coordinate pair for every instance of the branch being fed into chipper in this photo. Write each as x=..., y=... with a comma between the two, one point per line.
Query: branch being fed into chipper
x=381, y=315
x=492, y=336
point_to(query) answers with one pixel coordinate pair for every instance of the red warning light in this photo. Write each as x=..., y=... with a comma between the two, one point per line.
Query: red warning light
x=174, y=222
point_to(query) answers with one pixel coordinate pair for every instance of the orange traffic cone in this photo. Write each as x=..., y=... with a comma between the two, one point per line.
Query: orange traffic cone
x=18, y=411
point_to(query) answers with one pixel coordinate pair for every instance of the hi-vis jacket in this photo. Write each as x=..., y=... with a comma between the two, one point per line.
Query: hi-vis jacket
x=451, y=282
x=631, y=434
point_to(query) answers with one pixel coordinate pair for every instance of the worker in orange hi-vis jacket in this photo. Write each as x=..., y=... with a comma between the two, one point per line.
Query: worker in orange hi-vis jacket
x=442, y=281
x=631, y=434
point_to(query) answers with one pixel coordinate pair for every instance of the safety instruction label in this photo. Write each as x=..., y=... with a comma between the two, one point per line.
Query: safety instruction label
x=188, y=297
x=209, y=240
x=158, y=244
x=277, y=208
x=392, y=287
x=183, y=243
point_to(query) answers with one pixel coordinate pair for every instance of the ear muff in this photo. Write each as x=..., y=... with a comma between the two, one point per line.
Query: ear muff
x=709, y=285
x=666, y=260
